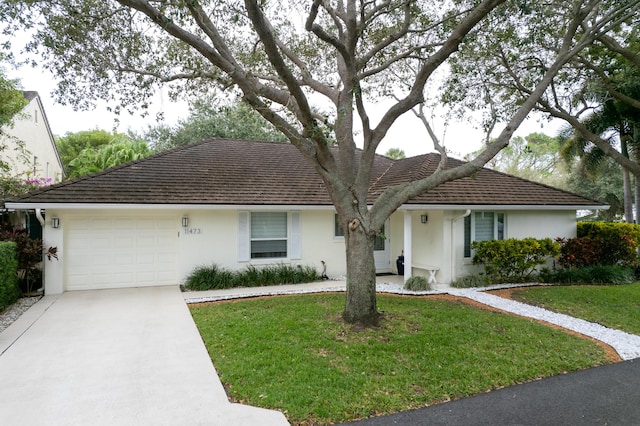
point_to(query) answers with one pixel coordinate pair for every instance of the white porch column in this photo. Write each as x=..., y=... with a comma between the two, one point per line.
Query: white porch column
x=54, y=268
x=407, y=244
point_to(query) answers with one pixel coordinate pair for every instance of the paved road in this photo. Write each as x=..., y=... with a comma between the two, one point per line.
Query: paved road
x=608, y=395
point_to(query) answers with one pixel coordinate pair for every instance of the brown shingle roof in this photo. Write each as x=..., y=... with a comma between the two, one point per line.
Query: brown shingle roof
x=237, y=172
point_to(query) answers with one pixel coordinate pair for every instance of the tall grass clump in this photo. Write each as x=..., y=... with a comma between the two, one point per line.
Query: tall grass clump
x=470, y=281
x=417, y=283
x=214, y=277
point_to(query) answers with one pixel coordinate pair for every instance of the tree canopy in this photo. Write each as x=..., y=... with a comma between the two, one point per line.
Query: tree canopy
x=534, y=157
x=12, y=101
x=314, y=70
x=207, y=120
x=91, y=151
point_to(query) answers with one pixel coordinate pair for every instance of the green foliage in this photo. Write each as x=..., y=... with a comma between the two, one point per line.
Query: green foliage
x=214, y=278
x=290, y=353
x=604, y=184
x=113, y=154
x=208, y=120
x=597, y=274
x=417, y=283
x=29, y=253
x=601, y=243
x=535, y=157
x=470, y=281
x=12, y=101
x=513, y=260
x=395, y=153
x=95, y=150
x=9, y=291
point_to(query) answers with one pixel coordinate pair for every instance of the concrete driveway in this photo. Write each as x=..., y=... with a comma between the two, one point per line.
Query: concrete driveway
x=114, y=357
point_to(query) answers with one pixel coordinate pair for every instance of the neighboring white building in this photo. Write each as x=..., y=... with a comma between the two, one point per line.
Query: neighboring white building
x=40, y=158
x=234, y=203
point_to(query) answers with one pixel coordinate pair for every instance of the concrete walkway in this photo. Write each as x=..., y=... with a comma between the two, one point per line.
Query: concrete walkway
x=114, y=357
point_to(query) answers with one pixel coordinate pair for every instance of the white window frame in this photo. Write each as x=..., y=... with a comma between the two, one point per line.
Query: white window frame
x=468, y=253
x=293, y=237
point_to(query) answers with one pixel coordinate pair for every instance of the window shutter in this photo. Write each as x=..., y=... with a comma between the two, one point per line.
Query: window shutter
x=244, y=252
x=295, y=239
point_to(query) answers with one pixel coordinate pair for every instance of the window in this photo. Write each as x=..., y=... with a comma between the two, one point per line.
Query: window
x=338, y=232
x=268, y=235
x=482, y=226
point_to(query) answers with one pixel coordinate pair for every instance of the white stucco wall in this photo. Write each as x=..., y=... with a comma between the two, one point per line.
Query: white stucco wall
x=31, y=127
x=217, y=242
x=214, y=239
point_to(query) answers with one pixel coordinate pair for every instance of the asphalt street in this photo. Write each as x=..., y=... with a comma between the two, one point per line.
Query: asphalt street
x=607, y=395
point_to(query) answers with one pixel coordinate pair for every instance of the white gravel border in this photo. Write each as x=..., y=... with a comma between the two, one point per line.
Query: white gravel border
x=626, y=345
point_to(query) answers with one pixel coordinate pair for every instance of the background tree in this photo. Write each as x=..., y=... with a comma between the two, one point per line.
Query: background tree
x=94, y=150
x=207, y=120
x=603, y=182
x=309, y=69
x=535, y=157
x=597, y=93
x=395, y=153
x=12, y=101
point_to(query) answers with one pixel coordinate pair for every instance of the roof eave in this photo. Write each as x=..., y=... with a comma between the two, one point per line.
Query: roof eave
x=404, y=207
x=504, y=207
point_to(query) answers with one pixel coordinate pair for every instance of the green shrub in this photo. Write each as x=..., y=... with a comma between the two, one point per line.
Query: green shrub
x=513, y=260
x=470, y=281
x=9, y=291
x=213, y=277
x=598, y=274
x=417, y=283
x=601, y=243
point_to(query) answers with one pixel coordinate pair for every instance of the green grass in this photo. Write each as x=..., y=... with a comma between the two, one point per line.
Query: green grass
x=615, y=306
x=294, y=354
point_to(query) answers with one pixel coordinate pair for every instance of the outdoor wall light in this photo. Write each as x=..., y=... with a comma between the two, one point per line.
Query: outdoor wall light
x=185, y=222
x=424, y=218
x=55, y=222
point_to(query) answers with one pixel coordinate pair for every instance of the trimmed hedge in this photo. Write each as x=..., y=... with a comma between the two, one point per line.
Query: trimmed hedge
x=513, y=260
x=9, y=291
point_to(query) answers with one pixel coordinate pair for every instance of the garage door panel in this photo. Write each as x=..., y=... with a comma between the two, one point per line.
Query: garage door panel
x=120, y=252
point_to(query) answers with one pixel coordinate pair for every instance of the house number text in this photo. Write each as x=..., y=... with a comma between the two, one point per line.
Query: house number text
x=192, y=231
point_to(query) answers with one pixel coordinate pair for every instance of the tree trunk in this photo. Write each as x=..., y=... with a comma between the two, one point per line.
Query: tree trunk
x=360, y=306
x=626, y=184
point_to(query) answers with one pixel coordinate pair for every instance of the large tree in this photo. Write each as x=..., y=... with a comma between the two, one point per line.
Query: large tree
x=313, y=69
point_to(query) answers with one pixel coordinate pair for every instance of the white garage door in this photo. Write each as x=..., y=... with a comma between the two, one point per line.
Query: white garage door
x=117, y=252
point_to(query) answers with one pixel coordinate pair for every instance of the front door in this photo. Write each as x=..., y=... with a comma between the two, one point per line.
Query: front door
x=381, y=252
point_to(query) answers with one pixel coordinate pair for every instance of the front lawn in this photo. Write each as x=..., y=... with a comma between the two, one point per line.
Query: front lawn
x=294, y=354
x=614, y=306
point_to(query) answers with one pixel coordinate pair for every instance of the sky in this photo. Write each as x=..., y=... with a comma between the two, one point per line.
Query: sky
x=407, y=133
